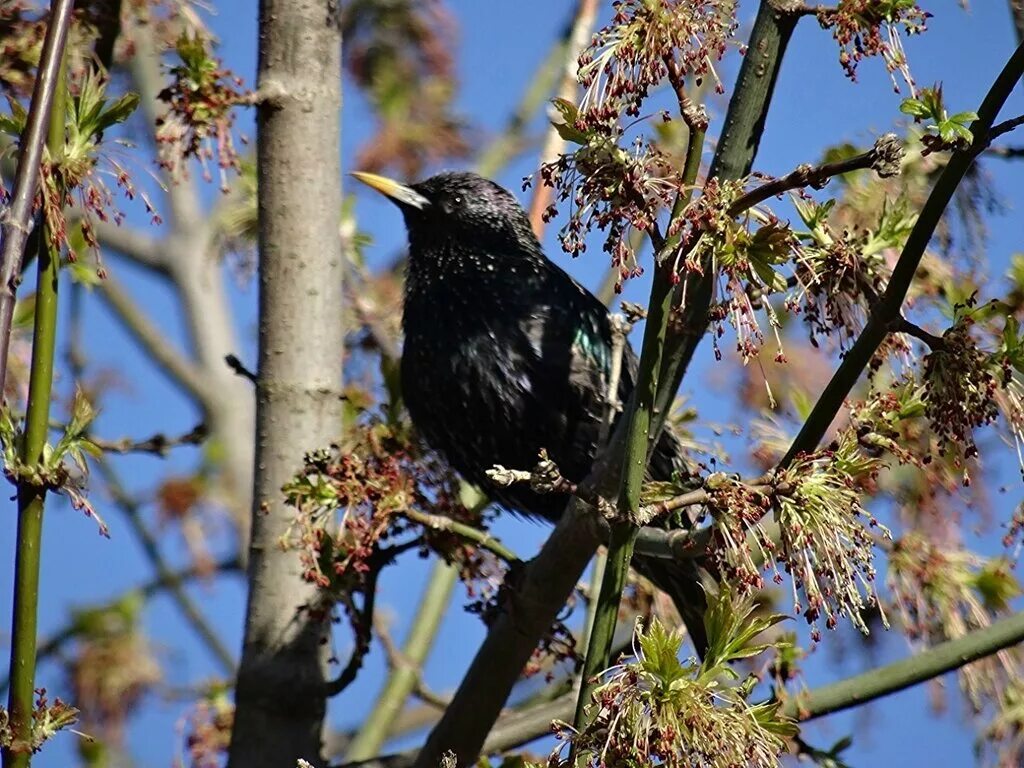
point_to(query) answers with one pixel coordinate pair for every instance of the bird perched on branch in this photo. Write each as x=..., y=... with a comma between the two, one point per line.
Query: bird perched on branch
x=506, y=354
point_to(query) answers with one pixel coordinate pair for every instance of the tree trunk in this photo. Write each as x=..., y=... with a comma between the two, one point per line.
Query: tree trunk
x=280, y=697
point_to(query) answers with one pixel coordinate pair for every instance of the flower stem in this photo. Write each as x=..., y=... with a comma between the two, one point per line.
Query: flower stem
x=24, y=622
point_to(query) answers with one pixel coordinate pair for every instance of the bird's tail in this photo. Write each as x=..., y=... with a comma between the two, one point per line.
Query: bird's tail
x=682, y=580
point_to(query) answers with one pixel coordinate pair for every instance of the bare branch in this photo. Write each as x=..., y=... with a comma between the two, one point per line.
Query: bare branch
x=885, y=158
x=155, y=344
x=480, y=538
x=239, y=368
x=158, y=444
x=902, y=325
x=1005, y=127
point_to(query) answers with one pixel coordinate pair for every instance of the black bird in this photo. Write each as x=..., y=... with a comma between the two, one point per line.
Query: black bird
x=505, y=353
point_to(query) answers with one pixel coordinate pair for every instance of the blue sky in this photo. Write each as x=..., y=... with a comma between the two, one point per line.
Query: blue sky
x=499, y=46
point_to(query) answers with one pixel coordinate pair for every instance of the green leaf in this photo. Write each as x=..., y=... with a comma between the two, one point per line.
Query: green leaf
x=570, y=134
x=566, y=109
x=24, y=311
x=963, y=118
x=659, y=490
x=119, y=111
x=915, y=108
x=962, y=132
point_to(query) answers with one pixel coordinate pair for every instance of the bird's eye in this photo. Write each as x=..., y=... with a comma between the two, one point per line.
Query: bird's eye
x=457, y=200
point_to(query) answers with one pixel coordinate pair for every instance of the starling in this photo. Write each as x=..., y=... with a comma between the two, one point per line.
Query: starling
x=505, y=353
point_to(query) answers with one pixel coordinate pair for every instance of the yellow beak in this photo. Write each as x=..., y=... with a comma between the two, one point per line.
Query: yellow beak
x=398, y=193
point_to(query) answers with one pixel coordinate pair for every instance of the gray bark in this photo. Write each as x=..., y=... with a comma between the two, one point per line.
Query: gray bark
x=280, y=693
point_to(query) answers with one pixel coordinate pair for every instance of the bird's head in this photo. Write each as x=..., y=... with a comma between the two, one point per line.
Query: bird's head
x=457, y=207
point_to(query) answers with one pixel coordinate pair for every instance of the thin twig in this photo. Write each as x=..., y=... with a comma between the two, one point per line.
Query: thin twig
x=1004, y=127
x=363, y=623
x=902, y=325
x=164, y=572
x=239, y=368
x=884, y=157
x=158, y=444
x=480, y=538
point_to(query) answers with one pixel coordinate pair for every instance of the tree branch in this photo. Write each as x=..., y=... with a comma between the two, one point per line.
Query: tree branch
x=164, y=572
x=16, y=221
x=884, y=158
x=482, y=539
x=902, y=325
x=182, y=370
x=158, y=444
x=882, y=681
x=888, y=307
x=279, y=702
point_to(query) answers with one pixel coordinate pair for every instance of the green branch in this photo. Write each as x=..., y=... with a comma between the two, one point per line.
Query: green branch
x=24, y=623
x=899, y=675
x=641, y=417
x=734, y=157
x=887, y=310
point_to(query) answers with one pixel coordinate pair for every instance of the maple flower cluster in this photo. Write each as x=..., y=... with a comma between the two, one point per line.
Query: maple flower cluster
x=684, y=713
x=201, y=99
x=867, y=28
x=614, y=185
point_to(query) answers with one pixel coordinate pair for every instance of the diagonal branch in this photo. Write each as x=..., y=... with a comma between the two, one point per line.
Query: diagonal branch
x=884, y=157
x=887, y=310
x=155, y=344
x=882, y=681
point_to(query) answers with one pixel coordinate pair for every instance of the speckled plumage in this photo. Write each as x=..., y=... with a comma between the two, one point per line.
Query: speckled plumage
x=504, y=353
